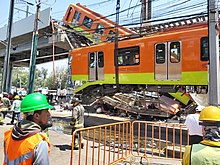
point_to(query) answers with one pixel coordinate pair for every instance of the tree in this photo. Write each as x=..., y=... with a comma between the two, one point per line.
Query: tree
x=44, y=72
x=59, y=82
x=42, y=79
x=20, y=77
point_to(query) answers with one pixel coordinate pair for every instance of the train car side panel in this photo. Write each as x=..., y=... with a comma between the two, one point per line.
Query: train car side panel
x=173, y=58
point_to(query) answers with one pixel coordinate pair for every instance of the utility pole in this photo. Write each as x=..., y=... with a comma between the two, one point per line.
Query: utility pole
x=116, y=45
x=34, y=51
x=146, y=10
x=5, y=76
x=213, y=28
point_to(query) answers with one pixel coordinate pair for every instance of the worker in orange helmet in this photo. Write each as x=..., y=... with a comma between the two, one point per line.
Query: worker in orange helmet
x=25, y=143
x=208, y=150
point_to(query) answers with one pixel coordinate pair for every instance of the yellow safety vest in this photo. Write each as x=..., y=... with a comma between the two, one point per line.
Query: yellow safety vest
x=207, y=152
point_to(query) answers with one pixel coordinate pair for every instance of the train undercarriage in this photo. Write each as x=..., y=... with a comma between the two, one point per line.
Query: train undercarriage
x=151, y=102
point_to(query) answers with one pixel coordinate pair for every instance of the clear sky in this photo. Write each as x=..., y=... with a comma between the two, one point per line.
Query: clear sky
x=160, y=9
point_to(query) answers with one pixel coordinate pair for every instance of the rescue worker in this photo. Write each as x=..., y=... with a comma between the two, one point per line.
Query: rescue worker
x=6, y=104
x=195, y=130
x=77, y=121
x=208, y=150
x=25, y=144
x=16, y=106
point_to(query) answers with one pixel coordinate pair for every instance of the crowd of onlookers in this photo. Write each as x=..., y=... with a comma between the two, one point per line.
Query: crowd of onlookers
x=10, y=104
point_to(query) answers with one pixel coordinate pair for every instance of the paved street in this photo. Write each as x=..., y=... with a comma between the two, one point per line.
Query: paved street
x=60, y=142
x=60, y=145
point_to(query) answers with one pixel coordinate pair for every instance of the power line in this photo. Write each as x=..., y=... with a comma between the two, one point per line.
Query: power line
x=113, y=14
x=99, y=3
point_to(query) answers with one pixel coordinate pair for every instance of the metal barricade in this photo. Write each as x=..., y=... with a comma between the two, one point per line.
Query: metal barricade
x=158, y=140
x=104, y=144
x=125, y=141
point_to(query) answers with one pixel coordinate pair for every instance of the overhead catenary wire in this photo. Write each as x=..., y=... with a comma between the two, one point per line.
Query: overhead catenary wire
x=177, y=11
x=134, y=9
x=162, y=12
x=152, y=21
x=136, y=21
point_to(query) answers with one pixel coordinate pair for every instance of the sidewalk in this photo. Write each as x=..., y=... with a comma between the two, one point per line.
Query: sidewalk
x=61, y=148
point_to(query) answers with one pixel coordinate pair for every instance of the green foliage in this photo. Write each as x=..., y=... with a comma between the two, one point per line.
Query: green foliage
x=42, y=79
x=57, y=80
x=20, y=77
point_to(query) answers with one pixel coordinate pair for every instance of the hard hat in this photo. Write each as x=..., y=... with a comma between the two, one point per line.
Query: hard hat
x=210, y=113
x=75, y=101
x=5, y=94
x=199, y=108
x=17, y=97
x=34, y=102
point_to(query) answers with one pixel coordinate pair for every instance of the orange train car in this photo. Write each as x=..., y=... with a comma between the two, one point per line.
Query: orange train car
x=166, y=62
x=96, y=27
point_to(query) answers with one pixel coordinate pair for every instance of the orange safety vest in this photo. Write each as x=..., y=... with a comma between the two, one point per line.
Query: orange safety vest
x=21, y=152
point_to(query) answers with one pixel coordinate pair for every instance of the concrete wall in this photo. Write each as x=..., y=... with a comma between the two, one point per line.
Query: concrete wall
x=26, y=25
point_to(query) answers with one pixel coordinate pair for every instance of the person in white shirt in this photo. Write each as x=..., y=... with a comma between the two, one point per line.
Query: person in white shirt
x=192, y=124
x=16, y=106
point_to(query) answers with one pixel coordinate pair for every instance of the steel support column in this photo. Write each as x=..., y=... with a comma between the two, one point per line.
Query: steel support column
x=213, y=53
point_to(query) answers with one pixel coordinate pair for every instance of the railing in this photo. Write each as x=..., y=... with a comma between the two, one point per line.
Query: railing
x=104, y=144
x=126, y=141
x=159, y=140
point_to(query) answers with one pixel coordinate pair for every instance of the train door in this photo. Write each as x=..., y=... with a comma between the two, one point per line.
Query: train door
x=168, y=61
x=96, y=66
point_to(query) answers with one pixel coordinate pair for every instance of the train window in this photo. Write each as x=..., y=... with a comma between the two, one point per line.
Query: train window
x=204, y=49
x=111, y=35
x=69, y=12
x=160, y=53
x=111, y=32
x=100, y=29
x=129, y=56
x=76, y=17
x=87, y=22
x=100, y=59
x=175, y=52
x=91, y=60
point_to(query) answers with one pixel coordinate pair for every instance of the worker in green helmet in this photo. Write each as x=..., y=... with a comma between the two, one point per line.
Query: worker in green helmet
x=25, y=143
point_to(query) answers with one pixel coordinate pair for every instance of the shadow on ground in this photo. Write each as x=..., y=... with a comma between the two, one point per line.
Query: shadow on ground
x=63, y=147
